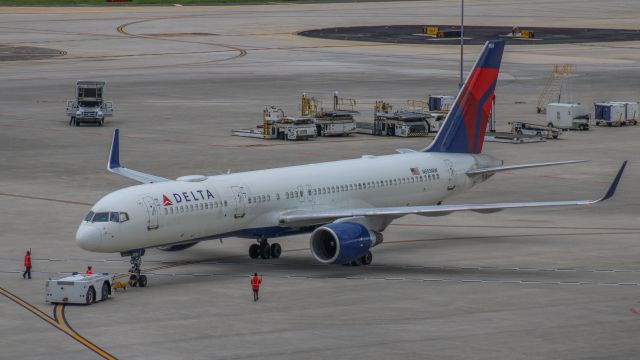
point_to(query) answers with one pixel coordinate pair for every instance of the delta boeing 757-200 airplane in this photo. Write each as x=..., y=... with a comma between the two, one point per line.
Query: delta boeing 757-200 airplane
x=345, y=205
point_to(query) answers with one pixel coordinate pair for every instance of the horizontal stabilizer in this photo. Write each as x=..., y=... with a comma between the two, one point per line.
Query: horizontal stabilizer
x=114, y=164
x=496, y=169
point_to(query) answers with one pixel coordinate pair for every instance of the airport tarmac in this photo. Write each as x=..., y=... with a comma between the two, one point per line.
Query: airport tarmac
x=521, y=284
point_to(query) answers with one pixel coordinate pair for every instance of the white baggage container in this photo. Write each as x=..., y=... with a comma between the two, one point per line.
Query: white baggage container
x=78, y=289
x=567, y=116
x=630, y=110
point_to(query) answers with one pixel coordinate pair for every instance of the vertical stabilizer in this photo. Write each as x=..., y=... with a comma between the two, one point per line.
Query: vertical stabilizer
x=464, y=128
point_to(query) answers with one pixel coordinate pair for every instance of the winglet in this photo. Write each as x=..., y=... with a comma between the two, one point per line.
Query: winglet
x=614, y=184
x=114, y=155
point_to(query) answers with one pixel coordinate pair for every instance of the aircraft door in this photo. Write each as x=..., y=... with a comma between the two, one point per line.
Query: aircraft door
x=240, y=196
x=152, y=212
x=451, y=182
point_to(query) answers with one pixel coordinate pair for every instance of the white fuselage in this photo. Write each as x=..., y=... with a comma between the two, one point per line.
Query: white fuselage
x=248, y=204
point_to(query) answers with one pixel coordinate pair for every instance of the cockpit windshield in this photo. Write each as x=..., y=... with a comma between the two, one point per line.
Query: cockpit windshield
x=101, y=217
x=113, y=216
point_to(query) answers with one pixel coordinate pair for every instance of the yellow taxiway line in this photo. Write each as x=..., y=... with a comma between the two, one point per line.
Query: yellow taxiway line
x=59, y=321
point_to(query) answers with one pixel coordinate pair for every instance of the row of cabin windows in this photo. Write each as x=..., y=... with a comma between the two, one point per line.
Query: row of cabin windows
x=179, y=209
x=342, y=188
x=261, y=198
x=363, y=185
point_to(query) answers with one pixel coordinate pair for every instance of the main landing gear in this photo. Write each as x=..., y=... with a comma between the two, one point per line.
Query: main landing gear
x=263, y=250
x=135, y=279
x=363, y=260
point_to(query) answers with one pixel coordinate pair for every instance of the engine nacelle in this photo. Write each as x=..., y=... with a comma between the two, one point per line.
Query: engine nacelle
x=342, y=242
x=177, y=247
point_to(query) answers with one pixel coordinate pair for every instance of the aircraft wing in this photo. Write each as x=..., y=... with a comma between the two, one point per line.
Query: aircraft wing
x=114, y=164
x=319, y=217
x=493, y=170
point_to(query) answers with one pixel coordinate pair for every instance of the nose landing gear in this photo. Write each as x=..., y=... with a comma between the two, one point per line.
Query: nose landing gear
x=265, y=251
x=135, y=279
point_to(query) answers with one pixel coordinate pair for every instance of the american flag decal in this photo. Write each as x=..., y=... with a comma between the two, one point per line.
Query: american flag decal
x=415, y=171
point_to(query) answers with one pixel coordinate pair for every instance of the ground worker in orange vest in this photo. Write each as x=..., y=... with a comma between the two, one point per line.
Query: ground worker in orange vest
x=27, y=265
x=255, y=285
x=89, y=271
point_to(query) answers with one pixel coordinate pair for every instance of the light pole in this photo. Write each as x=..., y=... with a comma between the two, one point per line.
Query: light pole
x=461, y=42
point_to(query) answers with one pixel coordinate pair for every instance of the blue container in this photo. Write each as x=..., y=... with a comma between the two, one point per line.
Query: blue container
x=603, y=112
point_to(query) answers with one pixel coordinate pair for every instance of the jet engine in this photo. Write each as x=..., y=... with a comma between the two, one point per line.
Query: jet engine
x=178, y=247
x=342, y=242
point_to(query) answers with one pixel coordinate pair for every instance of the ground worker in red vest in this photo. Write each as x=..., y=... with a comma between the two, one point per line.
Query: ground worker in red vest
x=255, y=285
x=27, y=265
x=89, y=271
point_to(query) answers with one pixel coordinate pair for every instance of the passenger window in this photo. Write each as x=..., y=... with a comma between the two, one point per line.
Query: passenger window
x=206, y=206
x=268, y=197
x=264, y=198
x=277, y=196
x=124, y=217
x=171, y=211
x=225, y=203
x=314, y=192
x=101, y=217
x=287, y=195
x=211, y=205
x=324, y=190
x=333, y=189
x=181, y=209
x=191, y=207
x=249, y=200
x=438, y=175
x=309, y=192
x=89, y=216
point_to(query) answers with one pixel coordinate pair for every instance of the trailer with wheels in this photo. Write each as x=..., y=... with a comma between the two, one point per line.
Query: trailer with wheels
x=89, y=105
x=78, y=289
x=541, y=131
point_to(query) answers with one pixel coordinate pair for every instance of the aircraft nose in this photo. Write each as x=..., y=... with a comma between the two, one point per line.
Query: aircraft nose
x=88, y=238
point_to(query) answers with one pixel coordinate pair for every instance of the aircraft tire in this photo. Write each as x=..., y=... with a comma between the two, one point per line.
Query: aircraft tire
x=266, y=252
x=367, y=258
x=254, y=251
x=133, y=280
x=276, y=250
x=142, y=281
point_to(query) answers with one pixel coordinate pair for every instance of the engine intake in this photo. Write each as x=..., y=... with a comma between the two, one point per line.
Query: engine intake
x=342, y=242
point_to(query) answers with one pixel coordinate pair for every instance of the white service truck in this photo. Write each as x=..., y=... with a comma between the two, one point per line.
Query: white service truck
x=89, y=106
x=78, y=289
